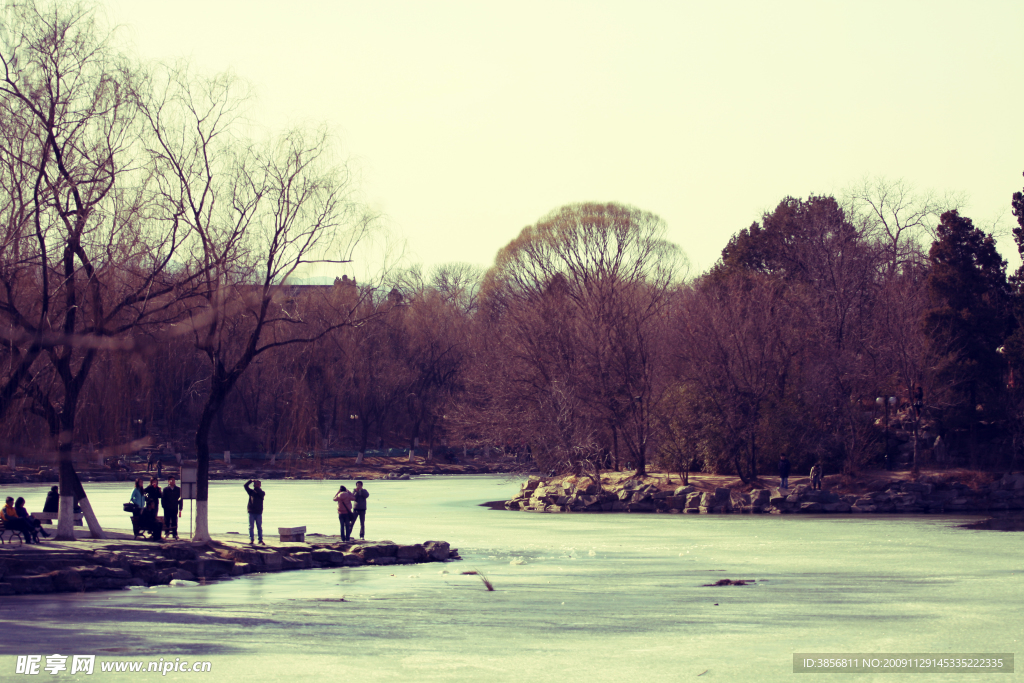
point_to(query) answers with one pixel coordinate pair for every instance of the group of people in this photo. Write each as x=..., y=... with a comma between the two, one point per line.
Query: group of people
x=17, y=518
x=352, y=506
x=784, y=467
x=145, y=502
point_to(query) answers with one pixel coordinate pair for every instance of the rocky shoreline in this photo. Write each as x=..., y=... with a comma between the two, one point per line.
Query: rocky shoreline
x=92, y=565
x=367, y=471
x=928, y=494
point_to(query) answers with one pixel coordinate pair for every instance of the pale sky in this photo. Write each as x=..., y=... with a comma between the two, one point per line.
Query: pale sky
x=471, y=120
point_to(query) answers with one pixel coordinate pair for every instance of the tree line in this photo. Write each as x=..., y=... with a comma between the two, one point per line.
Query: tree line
x=151, y=236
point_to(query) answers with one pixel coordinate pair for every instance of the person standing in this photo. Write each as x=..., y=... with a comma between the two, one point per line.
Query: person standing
x=784, y=472
x=361, y=495
x=138, y=498
x=172, y=504
x=255, y=507
x=345, y=499
x=816, y=476
x=153, y=492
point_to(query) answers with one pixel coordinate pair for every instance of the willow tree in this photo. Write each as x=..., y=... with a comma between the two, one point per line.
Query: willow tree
x=575, y=307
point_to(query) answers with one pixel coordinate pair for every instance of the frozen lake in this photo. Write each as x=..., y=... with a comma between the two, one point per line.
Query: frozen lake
x=614, y=597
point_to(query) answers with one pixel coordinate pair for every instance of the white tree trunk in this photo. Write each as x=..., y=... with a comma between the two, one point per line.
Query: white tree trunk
x=430, y=454
x=359, y=458
x=411, y=453
x=202, y=532
x=66, y=519
x=90, y=518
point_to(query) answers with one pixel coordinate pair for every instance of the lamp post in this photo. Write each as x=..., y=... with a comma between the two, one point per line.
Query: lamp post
x=886, y=402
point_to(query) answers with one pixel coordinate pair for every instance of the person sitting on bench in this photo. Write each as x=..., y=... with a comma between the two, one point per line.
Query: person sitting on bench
x=52, y=503
x=34, y=526
x=15, y=523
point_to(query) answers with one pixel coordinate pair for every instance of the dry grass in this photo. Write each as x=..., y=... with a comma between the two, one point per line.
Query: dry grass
x=483, y=578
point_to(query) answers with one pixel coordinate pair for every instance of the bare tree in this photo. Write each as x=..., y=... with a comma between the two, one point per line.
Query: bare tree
x=82, y=267
x=259, y=212
x=578, y=300
x=899, y=217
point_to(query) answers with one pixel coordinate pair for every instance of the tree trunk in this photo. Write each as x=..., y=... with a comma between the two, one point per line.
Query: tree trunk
x=214, y=402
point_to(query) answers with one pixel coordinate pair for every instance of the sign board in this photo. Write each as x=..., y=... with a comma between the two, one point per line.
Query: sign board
x=189, y=474
x=188, y=490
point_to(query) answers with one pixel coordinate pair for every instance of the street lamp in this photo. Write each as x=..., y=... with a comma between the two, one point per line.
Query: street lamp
x=887, y=402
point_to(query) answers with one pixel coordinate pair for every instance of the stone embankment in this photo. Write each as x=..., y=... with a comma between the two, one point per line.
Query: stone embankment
x=105, y=565
x=928, y=495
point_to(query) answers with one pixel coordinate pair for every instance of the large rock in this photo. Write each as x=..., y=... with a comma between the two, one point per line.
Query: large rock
x=684, y=491
x=437, y=550
x=1014, y=482
x=760, y=497
x=374, y=551
x=178, y=551
x=269, y=561
x=412, y=553
x=39, y=583
x=291, y=562
x=67, y=580
x=328, y=557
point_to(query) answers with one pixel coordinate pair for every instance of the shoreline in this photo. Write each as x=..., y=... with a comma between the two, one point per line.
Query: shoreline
x=372, y=468
x=934, y=492
x=119, y=562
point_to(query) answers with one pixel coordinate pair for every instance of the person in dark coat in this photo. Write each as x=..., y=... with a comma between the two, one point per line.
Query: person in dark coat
x=255, y=507
x=52, y=503
x=33, y=525
x=784, y=472
x=149, y=522
x=172, y=504
x=361, y=495
x=152, y=492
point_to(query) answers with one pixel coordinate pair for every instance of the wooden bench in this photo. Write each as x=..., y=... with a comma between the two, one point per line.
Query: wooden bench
x=51, y=517
x=292, y=533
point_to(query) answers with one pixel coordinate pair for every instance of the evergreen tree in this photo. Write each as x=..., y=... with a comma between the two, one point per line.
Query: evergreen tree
x=969, y=315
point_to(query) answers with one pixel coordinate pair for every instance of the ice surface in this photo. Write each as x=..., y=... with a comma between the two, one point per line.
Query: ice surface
x=608, y=597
